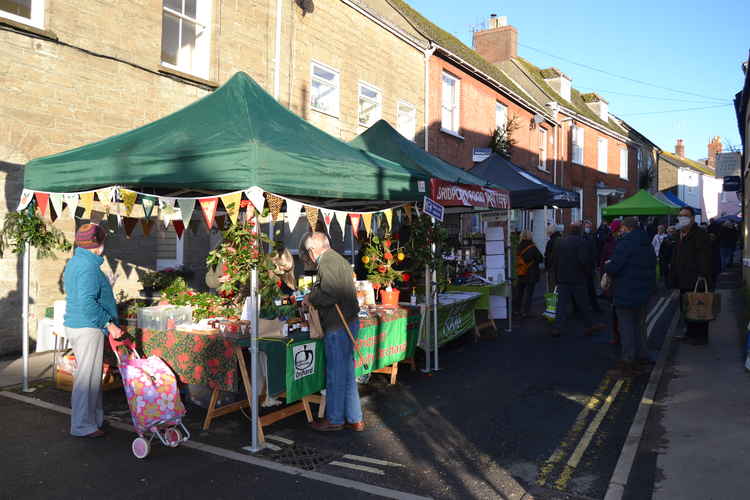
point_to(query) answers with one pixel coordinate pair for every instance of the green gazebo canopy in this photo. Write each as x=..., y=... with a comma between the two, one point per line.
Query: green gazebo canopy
x=641, y=203
x=234, y=138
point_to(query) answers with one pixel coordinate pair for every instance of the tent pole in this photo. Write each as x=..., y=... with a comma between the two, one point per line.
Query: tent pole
x=434, y=298
x=254, y=446
x=508, y=273
x=426, y=312
x=25, y=316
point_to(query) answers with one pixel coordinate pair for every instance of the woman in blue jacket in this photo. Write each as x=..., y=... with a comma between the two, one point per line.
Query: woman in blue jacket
x=90, y=314
x=633, y=271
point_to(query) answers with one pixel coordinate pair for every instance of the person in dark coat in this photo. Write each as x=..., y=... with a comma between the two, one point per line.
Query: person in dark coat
x=714, y=230
x=728, y=236
x=691, y=260
x=632, y=267
x=549, y=257
x=608, y=249
x=528, y=258
x=590, y=239
x=666, y=249
x=573, y=264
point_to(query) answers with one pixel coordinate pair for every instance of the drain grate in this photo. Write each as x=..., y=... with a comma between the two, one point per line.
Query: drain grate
x=301, y=456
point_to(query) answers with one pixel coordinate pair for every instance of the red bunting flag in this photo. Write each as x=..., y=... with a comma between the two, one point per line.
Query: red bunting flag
x=208, y=206
x=179, y=227
x=42, y=201
x=129, y=223
x=354, y=219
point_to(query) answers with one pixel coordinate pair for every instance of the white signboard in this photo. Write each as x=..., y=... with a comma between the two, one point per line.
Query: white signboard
x=304, y=360
x=728, y=164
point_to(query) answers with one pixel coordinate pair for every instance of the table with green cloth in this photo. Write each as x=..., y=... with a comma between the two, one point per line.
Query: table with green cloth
x=486, y=290
x=456, y=316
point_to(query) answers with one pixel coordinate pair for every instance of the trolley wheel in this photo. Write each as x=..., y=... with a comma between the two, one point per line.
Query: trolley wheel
x=173, y=436
x=141, y=447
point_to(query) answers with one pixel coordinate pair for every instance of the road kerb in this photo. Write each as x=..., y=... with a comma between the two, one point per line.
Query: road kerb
x=619, y=480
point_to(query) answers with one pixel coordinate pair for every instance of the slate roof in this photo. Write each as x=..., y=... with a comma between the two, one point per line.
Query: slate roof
x=685, y=163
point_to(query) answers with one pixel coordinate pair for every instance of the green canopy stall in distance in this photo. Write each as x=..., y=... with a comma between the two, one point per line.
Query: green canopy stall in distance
x=641, y=203
x=231, y=139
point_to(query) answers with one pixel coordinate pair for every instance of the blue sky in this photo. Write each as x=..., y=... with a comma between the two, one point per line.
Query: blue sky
x=691, y=46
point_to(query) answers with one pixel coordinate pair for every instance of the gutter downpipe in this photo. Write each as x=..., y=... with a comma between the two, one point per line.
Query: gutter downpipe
x=427, y=54
x=277, y=50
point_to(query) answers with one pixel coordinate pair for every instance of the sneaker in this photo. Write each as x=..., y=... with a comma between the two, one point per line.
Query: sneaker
x=325, y=426
x=356, y=426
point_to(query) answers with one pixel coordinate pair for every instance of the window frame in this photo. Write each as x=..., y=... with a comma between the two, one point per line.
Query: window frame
x=455, y=110
x=413, y=133
x=578, y=134
x=624, y=168
x=38, y=9
x=579, y=209
x=542, y=155
x=500, y=106
x=378, y=102
x=336, y=85
x=602, y=166
x=202, y=48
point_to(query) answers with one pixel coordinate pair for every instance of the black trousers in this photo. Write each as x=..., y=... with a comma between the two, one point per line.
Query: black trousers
x=591, y=286
x=697, y=330
x=524, y=293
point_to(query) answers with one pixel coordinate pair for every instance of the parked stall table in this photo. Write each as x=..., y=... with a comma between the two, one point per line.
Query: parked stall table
x=487, y=290
x=456, y=316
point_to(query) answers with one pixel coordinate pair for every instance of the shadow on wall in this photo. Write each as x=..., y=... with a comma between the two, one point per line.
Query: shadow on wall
x=11, y=266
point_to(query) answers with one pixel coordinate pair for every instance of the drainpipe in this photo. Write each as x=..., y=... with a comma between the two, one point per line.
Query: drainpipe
x=277, y=55
x=427, y=54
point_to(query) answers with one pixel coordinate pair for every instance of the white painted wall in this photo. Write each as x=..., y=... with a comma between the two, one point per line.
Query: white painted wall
x=712, y=188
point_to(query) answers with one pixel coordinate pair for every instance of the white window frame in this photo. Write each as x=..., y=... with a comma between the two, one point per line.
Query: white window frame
x=578, y=134
x=542, y=149
x=451, y=111
x=576, y=214
x=335, y=84
x=602, y=154
x=201, y=63
x=37, y=15
x=639, y=158
x=501, y=115
x=624, y=158
x=377, y=101
x=179, y=251
x=408, y=130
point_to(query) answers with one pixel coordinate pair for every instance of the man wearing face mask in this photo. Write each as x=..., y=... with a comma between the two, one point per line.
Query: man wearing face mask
x=691, y=259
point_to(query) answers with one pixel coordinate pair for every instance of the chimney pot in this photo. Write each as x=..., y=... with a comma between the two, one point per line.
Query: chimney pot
x=499, y=42
x=679, y=148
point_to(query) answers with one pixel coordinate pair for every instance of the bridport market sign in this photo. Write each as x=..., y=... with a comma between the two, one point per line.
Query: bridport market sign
x=451, y=194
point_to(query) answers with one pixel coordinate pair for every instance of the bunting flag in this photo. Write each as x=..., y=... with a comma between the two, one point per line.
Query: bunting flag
x=26, y=197
x=148, y=203
x=367, y=219
x=208, y=206
x=147, y=225
x=167, y=210
x=42, y=201
x=249, y=213
x=87, y=203
x=221, y=220
x=407, y=211
x=327, y=218
x=312, y=216
x=194, y=225
x=354, y=219
x=57, y=203
x=274, y=205
x=293, y=211
x=129, y=224
x=71, y=199
x=389, y=218
x=187, y=205
x=341, y=219
x=255, y=195
x=232, y=203
x=128, y=199
x=179, y=227
x=105, y=197
x=113, y=221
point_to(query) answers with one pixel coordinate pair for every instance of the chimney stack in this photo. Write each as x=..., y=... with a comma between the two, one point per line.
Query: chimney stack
x=679, y=149
x=714, y=147
x=499, y=42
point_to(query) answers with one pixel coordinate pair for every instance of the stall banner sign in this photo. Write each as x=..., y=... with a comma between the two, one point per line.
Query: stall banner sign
x=305, y=369
x=384, y=344
x=451, y=194
x=728, y=164
x=434, y=209
x=453, y=321
x=731, y=183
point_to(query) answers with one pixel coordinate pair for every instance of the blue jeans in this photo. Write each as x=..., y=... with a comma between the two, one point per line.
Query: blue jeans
x=566, y=295
x=633, y=333
x=342, y=397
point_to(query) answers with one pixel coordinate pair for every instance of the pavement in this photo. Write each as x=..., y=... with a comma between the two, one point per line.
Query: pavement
x=40, y=367
x=696, y=443
x=518, y=416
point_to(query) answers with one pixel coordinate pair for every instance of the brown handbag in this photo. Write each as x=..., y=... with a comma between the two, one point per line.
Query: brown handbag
x=313, y=321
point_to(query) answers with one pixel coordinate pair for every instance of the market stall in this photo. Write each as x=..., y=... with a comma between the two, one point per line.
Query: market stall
x=641, y=203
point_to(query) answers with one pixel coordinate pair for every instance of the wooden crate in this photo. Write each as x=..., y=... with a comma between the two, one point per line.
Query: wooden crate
x=64, y=381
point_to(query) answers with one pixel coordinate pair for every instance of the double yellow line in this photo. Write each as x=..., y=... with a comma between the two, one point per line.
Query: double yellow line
x=580, y=434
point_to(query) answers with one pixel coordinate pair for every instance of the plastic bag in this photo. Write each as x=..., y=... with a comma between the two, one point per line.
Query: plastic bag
x=550, y=305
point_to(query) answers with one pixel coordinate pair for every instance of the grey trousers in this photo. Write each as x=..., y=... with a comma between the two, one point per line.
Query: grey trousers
x=633, y=333
x=86, y=400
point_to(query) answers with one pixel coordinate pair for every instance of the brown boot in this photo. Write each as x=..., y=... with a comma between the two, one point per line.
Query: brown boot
x=356, y=426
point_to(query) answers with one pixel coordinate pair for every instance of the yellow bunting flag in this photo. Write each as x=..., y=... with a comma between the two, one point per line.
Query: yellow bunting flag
x=407, y=211
x=231, y=204
x=389, y=218
x=367, y=220
x=128, y=199
x=87, y=202
x=147, y=225
x=249, y=213
x=312, y=217
x=105, y=198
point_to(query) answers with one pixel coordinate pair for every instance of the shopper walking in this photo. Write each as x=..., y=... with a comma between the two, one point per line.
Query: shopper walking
x=691, y=260
x=608, y=249
x=335, y=288
x=573, y=264
x=90, y=314
x=666, y=249
x=728, y=236
x=659, y=237
x=633, y=270
x=589, y=237
x=549, y=256
x=528, y=258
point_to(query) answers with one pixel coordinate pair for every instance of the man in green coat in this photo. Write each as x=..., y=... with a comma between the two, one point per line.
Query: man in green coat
x=335, y=287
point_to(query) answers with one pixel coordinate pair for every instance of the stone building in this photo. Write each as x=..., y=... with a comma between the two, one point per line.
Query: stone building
x=77, y=72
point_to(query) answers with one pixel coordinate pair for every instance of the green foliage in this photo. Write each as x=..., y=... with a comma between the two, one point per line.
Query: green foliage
x=160, y=280
x=419, y=248
x=24, y=227
x=204, y=304
x=502, y=141
x=383, y=259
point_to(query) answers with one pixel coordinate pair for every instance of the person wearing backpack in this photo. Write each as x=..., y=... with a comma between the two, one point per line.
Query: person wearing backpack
x=528, y=258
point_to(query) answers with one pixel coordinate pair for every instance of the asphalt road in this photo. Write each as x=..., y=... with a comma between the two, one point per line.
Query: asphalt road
x=520, y=414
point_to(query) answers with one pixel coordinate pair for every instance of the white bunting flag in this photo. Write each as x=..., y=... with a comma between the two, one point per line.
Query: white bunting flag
x=187, y=205
x=293, y=212
x=327, y=218
x=26, y=197
x=56, y=199
x=167, y=210
x=341, y=219
x=71, y=199
x=255, y=195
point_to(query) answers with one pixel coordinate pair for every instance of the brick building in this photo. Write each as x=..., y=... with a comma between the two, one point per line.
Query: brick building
x=76, y=72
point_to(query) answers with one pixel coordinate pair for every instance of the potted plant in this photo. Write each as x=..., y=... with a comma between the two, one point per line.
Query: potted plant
x=382, y=259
